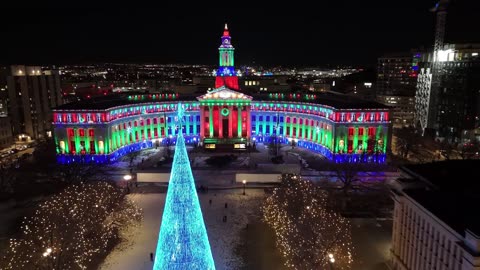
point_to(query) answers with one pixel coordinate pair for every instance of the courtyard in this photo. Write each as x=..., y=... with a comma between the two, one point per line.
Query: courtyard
x=243, y=241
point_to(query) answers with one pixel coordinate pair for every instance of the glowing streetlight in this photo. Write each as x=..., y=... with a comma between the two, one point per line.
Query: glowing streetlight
x=244, y=183
x=127, y=177
x=47, y=252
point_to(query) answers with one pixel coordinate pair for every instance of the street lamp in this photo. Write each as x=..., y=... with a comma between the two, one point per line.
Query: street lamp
x=47, y=252
x=331, y=260
x=127, y=177
x=244, y=183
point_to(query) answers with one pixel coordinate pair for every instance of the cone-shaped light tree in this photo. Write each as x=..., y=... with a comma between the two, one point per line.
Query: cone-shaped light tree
x=183, y=241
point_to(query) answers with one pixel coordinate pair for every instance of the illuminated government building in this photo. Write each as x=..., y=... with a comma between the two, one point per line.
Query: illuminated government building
x=341, y=128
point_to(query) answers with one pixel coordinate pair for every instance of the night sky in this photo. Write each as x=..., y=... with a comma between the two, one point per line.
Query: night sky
x=319, y=34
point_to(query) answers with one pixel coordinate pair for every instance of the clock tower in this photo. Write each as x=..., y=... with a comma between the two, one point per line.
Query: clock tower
x=226, y=74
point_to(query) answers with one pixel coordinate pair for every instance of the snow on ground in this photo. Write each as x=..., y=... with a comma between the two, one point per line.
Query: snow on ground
x=224, y=237
x=134, y=252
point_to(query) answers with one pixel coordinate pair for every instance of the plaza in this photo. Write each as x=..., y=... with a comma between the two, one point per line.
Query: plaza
x=234, y=246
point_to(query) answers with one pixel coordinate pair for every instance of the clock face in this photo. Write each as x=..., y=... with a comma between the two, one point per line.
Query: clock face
x=225, y=41
x=225, y=111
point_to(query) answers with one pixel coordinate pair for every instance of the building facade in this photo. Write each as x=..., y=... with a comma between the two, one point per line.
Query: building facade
x=341, y=128
x=397, y=74
x=32, y=93
x=6, y=138
x=396, y=84
x=403, y=109
x=451, y=110
x=433, y=226
x=3, y=91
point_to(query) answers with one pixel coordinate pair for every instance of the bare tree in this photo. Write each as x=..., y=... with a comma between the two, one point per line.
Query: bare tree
x=74, y=173
x=407, y=140
x=353, y=183
x=7, y=177
x=132, y=156
x=352, y=177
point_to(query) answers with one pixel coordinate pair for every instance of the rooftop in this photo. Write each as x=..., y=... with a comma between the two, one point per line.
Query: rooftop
x=454, y=175
x=451, y=194
x=120, y=99
x=338, y=101
x=457, y=210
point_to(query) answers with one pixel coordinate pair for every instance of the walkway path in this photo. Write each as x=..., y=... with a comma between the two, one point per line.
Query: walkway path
x=223, y=236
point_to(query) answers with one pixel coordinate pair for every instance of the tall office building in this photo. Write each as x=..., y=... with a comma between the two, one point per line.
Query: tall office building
x=397, y=74
x=396, y=82
x=6, y=138
x=32, y=93
x=3, y=91
x=453, y=110
x=448, y=90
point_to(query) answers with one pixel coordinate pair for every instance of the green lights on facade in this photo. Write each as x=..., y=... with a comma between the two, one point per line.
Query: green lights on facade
x=225, y=111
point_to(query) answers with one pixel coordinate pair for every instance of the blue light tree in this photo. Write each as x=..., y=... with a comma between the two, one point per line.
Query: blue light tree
x=183, y=241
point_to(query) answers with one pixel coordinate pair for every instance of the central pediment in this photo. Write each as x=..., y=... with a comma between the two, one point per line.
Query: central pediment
x=223, y=93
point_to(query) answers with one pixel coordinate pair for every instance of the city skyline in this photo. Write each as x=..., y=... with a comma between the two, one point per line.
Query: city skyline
x=329, y=34
x=327, y=136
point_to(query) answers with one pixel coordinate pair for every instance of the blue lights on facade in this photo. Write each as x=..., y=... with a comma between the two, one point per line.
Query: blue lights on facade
x=226, y=71
x=66, y=158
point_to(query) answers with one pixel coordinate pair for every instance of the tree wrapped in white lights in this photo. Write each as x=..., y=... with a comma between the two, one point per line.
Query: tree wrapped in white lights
x=307, y=234
x=72, y=230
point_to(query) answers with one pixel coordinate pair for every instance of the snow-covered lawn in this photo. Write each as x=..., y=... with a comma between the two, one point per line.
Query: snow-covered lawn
x=224, y=237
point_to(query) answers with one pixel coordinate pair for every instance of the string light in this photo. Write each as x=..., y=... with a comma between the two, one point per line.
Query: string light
x=183, y=241
x=308, y=235
x=73, y=229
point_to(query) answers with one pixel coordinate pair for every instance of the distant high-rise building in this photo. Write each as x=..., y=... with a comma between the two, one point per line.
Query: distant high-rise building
x=32, y=93
x=397, y=74
x=6, y=138
x=454, y=111
x=396, y=82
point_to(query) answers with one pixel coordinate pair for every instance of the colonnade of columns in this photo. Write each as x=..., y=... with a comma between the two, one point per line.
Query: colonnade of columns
x=212, y=120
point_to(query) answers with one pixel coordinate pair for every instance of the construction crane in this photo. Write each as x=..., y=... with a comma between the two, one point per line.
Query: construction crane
x=441, y=11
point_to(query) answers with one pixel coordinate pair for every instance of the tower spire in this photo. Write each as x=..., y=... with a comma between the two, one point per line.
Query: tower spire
x=183, y=241
x=226, y=74
x=225, y=31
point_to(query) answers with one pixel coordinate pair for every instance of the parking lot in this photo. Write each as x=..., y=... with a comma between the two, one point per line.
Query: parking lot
x=15, y=152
